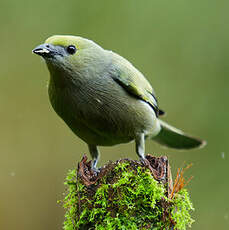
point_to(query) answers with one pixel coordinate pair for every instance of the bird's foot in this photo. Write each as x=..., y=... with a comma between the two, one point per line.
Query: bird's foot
x=147, y=164
x=88, y=173
x=96, y=170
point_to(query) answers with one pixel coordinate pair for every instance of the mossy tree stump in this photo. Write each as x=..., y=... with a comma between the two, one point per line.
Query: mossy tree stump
x=126, y=194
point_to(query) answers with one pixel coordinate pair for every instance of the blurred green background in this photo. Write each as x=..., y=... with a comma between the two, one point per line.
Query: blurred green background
x=182, y=47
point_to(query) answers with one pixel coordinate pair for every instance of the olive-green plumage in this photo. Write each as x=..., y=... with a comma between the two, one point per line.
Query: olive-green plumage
x=103, y=98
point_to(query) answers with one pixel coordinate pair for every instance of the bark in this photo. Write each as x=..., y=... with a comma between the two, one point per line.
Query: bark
x=126, y=194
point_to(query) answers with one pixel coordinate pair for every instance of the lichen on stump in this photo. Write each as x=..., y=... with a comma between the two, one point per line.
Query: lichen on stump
x=126, y=195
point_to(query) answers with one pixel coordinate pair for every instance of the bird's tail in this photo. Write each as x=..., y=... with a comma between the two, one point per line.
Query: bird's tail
x=175, y=138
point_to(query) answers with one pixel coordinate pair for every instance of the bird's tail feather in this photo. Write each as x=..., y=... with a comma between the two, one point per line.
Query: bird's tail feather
x=175, y=138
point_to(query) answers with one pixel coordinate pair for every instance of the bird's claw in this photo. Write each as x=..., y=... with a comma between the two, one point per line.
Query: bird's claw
x=88, y=174
x=147, y=164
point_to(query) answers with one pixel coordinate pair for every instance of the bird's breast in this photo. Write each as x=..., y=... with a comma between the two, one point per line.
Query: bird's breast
x=101, y=111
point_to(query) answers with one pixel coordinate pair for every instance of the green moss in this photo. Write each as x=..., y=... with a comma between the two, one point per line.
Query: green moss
x=125, y=198
x=180, y=210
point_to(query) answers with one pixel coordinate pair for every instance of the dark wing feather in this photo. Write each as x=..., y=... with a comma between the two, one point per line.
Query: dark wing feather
x=133, y=81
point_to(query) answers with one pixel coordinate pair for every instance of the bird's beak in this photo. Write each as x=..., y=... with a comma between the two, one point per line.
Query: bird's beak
x=43, y=50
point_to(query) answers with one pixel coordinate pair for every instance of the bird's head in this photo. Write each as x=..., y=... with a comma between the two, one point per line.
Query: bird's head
x=69, y=52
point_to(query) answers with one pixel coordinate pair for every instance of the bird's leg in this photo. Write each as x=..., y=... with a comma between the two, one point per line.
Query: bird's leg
x=140, y=146
x=140, y=149
x=95, y=156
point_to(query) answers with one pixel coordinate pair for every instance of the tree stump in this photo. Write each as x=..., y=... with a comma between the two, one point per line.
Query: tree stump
x=126, y=194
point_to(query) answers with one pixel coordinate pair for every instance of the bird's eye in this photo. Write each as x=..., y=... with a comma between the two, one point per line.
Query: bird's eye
x=71, y=49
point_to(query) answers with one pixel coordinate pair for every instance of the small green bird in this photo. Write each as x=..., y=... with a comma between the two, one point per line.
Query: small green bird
x=104, y=99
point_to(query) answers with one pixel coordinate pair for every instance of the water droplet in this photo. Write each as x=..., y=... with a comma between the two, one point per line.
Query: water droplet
x=12, y=174
x=223, y=155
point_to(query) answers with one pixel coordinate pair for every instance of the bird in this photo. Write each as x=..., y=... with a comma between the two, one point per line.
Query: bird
x=104, y=99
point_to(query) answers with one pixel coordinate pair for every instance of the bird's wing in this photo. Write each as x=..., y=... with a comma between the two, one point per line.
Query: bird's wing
x=133, y=81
